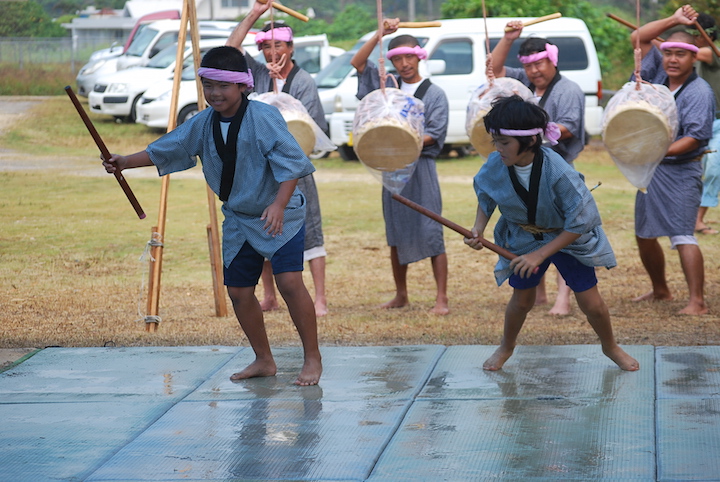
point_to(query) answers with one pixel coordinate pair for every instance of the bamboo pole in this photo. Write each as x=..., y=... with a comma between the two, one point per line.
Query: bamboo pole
x=544, y=18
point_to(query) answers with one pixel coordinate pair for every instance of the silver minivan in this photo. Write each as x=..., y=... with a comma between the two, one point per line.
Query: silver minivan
x=456, y=63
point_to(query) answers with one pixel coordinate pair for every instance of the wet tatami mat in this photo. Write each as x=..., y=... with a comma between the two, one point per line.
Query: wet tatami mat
x=381, y=413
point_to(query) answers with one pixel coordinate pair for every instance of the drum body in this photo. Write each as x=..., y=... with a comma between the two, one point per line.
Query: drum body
x=481, y=103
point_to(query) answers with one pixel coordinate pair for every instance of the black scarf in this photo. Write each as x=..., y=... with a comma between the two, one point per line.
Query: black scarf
x=529, y=197
x=228, y=150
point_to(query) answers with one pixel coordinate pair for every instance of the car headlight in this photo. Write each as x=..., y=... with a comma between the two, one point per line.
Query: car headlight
x=164, y=95
x=117, y=88
x=337, y=104
x=93, y=68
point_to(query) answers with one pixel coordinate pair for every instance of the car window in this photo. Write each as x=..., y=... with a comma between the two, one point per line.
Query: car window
x=335, y=72
x=165, y=58
x=307, y=57
x=165, y=40
x=141, y=41
x=457, y=54
x=572, y=54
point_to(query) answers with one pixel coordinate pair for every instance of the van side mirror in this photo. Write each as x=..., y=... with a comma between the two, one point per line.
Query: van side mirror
x=436, y=66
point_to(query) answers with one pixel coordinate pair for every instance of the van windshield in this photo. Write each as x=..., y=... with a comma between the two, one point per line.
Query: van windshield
x=140, y=42
x=572, y=54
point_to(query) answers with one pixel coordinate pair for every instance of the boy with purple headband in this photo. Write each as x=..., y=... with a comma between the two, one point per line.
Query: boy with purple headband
x=670, y=205
x=412, y=236
x=562, y=99
x=264, y=211
x=536, y=191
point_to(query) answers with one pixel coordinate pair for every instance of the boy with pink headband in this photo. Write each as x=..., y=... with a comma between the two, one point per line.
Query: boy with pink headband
x=536, y=191
x=412, y=236
x=264, y=211
x=277, y=39
x=562, y=99
x=670, y=205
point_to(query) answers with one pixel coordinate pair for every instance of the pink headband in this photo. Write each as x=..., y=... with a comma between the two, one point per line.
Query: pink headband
x=227, y=76
x=551, y=132
x=550, y=52
x=679, y=45
x=417, y=50
x=284, y=34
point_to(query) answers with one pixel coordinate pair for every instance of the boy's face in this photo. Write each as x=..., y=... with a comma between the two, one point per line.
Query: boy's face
x=407, y=66
x=509, y=149
x=281, y=48
x=223, y=97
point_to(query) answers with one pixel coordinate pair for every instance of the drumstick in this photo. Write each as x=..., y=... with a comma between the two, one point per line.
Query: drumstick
x=104, y=151
x=455, y=227
x=707, y=39
x=419, y=24
x=629, y=25
x=287, y=10
x=537, y=20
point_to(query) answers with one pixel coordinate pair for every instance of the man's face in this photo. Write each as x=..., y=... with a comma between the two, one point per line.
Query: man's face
x=407, y=67
x=280, y=49
x=540, y=73
x=678, y=63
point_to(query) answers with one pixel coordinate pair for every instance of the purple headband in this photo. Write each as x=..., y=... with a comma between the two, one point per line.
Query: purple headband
x=550, y=52
x=551, y=132
x=227, y=76
x=284, y=34
x=417, y=50
x=679, y=45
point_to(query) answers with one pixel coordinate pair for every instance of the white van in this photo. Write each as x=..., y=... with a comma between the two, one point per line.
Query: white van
x=457, y=64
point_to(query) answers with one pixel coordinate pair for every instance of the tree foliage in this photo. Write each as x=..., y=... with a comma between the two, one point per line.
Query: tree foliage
x=27, y=19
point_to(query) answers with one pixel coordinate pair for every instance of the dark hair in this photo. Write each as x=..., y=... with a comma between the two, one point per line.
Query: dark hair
x=279, y=24
x=707, y=22
x=401, y=40
x=517, y=114
x=532, y=45
x=224, y=58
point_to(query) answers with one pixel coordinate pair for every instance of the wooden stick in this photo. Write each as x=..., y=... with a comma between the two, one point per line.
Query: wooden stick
x=104, y=152
x=707, y=39
x=537, y=20
x=419, y=24
x=287, y=10
x=629, y=25
x=455, y=227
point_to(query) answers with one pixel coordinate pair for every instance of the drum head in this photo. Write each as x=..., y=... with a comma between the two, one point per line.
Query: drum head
x=388, y=147
x=636, y=135
x=480, y=138
x=303, y=134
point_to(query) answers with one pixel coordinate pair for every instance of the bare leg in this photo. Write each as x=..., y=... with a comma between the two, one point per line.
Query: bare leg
x=691, y=260
x=594, y=307
x=400, y=277
x=249, y=315
x=317, y=269
x=653, y=259
x=440, y=272
x=302, y=312
x=562, y=302
x=700, y=221
x=516, y=311
x=269, y=301
x=541, y=294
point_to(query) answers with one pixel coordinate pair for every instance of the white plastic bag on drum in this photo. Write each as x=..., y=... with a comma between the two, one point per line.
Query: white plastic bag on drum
x=481, y=103
x=303, y=128
x=388, y=135
x=638, y=127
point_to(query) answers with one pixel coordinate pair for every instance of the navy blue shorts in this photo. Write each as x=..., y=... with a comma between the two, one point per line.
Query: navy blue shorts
x=246, y=268
x=578, y=276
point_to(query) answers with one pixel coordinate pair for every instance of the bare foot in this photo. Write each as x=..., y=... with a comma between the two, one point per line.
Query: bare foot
x=269, y=304
x=560, y=309
x=695, y=309
x=441, y=307
x=498, y=359
x=652, y=296
x=397, y=302
x=621, y=358
x=310, y=373
x=320, y=309
x=258, y=368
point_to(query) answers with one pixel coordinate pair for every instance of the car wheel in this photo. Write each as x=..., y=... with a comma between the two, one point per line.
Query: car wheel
x=133, y=110
x=347, y=153
x=186, y=113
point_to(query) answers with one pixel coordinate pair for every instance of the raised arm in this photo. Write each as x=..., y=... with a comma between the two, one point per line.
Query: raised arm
x=238, y=35
x=502, y=49
x=684, y=15
x=359, y=60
